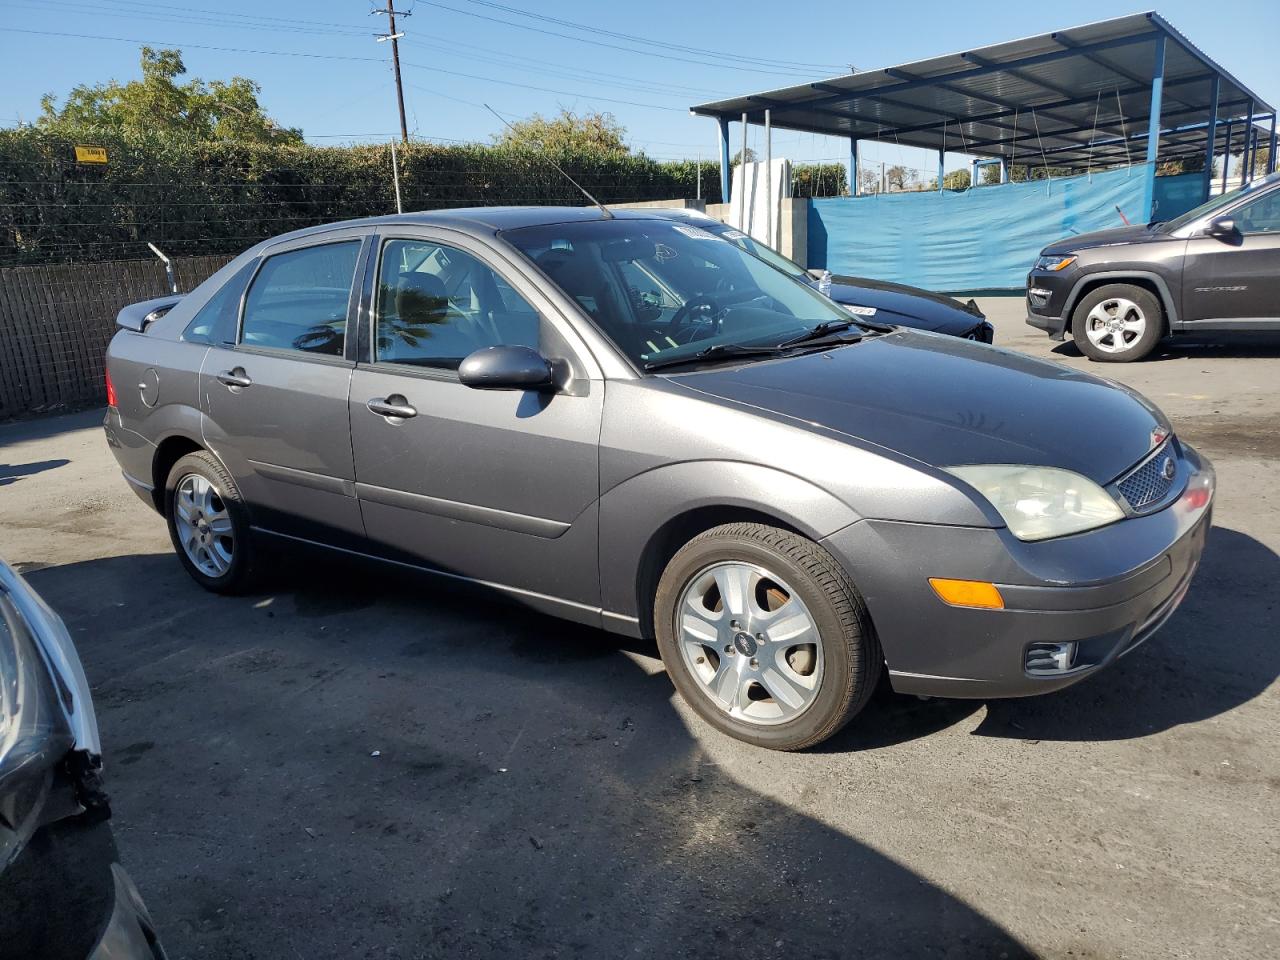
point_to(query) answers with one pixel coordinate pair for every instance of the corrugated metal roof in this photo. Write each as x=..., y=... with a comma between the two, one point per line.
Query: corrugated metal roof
x=1053, y=94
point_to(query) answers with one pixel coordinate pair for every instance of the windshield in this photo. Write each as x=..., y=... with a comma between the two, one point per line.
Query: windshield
x=662, y=290
x=758, y=249
x=1216, y=203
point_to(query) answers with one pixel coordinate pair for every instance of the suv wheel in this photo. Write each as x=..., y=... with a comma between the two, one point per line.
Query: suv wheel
x=208, y=523
x=765, y=636
x=1117, y=323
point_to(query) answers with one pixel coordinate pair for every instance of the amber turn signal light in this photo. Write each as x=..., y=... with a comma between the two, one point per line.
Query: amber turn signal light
x=967, y=593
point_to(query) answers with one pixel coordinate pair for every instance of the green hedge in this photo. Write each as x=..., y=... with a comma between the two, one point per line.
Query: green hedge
x=203, y=198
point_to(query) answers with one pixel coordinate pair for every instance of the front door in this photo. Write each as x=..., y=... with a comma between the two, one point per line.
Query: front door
x=1236, y=278
x=276, y=399
x=495, y=486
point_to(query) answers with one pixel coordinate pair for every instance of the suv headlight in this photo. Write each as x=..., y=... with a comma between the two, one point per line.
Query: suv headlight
x=1041, y=502
x=1054, y=264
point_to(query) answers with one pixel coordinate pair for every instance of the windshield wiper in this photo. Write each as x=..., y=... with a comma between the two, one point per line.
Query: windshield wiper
x=719, y=351
x=824, y=329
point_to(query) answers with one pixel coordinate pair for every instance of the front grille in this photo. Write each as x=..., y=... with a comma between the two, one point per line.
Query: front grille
x=1150, y=482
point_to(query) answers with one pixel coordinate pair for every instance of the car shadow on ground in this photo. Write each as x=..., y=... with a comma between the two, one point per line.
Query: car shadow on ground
x=1202, y=346
x=363, y=762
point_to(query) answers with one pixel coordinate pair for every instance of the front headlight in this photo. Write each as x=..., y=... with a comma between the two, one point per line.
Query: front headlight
x=1054, y=264
x=1041, y=502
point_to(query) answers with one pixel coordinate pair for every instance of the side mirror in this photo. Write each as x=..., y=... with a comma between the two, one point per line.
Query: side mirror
x=1224, y=228
x=507, y=368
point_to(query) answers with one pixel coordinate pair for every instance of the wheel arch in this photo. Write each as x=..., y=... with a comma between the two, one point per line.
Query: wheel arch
x=1151, y=282
x=646, y=519
x=168, y=452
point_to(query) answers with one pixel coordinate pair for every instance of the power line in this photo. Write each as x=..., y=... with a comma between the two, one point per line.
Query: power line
x=333, y=56
x=666, y=44
x=600, y=43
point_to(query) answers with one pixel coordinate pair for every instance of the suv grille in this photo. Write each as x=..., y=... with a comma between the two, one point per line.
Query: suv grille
x=1150, y=483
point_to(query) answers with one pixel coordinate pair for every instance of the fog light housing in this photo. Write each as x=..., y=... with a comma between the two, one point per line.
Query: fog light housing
x=1050, y=659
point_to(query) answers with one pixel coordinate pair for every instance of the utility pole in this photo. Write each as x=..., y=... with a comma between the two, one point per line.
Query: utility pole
x=394, y=37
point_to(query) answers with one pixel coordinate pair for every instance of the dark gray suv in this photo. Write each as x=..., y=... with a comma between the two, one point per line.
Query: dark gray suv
x=1117, y=292
x=633, y=423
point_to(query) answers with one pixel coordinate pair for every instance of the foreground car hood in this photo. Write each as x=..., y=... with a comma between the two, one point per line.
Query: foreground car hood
x=1138, y=233
x=947, y=402
x=896, y=303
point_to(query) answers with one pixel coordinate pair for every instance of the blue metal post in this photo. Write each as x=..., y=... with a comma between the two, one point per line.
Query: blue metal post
x=724, y=159
x=854, y=189
x=1153, y=129
x=1246, y=161
x=942, y=158
x=1271, y=147
x=1226, y=156
x=1212, y=140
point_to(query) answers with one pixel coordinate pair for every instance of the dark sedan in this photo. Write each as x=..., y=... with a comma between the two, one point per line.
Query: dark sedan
x=881, y=300
x=630, y=422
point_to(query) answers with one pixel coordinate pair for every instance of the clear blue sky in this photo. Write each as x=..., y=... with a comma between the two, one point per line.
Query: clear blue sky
x=335, y=100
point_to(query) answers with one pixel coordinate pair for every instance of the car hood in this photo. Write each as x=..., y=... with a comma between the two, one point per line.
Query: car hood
x=896, y=303
x=946, y=402
x=1138, y=233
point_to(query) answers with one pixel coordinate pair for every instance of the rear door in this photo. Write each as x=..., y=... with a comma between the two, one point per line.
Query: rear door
x=497, y=486
x=276, y=398
x=1237, y=278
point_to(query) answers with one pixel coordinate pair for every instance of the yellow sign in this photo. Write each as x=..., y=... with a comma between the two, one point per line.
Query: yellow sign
x=91, y=154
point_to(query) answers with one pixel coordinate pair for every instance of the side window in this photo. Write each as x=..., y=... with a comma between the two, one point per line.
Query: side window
x=436, y=304
x=1261, y=216
x=298, y=300
x=215, y=322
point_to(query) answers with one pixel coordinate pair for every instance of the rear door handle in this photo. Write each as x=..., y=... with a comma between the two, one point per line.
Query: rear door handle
x=235, y=378
x=394, y=406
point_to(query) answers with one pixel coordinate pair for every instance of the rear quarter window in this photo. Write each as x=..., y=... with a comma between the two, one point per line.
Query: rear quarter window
x=216, y=321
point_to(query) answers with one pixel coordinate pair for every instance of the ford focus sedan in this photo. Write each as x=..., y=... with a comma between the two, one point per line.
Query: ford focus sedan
x=630, y=422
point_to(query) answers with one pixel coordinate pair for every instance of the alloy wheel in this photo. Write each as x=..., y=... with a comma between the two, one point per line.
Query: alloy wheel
x=750, y=642
x=1115, y=324
x=204, y=525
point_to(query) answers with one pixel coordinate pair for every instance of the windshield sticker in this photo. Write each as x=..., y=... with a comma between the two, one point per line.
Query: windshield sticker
x=734, y=235
x=696, y=233
x=860, y=311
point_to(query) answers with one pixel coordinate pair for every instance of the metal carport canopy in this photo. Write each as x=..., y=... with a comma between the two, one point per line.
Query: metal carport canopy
x=1046, y=98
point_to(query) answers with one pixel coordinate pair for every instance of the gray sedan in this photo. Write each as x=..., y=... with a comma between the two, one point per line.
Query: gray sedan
x=630, y=422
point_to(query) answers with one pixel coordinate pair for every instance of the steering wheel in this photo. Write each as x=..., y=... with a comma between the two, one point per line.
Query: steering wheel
x=700, y=301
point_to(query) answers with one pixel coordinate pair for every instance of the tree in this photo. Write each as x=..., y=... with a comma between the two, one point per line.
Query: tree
x=737, y=157
x=956, y=180
x=207, y=110
x=568, y=132
x=897, y=177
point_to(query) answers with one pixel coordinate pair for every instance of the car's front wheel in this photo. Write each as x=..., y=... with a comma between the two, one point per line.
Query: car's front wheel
x=765, y=636
x=1117, y=323
x=208, y=523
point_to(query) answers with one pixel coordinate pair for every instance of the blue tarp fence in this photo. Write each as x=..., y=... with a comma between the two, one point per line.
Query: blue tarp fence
x=985, y=238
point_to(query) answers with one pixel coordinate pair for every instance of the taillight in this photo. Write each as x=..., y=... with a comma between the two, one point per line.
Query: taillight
x=111, y=391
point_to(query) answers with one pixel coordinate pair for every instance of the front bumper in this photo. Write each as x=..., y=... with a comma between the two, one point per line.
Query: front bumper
x=1107, y=590
x=1047, y=295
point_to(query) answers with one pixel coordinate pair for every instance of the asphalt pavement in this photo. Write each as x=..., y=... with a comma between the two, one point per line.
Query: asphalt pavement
x=361, y=762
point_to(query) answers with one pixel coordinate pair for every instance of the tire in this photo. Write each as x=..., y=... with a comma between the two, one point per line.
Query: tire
x=220, y=562
x=1136, y=309
x=773, y=568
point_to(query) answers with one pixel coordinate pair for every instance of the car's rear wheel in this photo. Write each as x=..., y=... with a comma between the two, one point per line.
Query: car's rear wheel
x=1117, y=323
x=208, y=523
x=765, y=636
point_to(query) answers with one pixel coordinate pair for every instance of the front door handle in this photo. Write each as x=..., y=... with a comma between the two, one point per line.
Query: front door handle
x=394, y=406
x=235, y=378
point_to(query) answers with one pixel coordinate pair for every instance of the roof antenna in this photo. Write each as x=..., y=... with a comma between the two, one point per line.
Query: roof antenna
x=581, y=189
